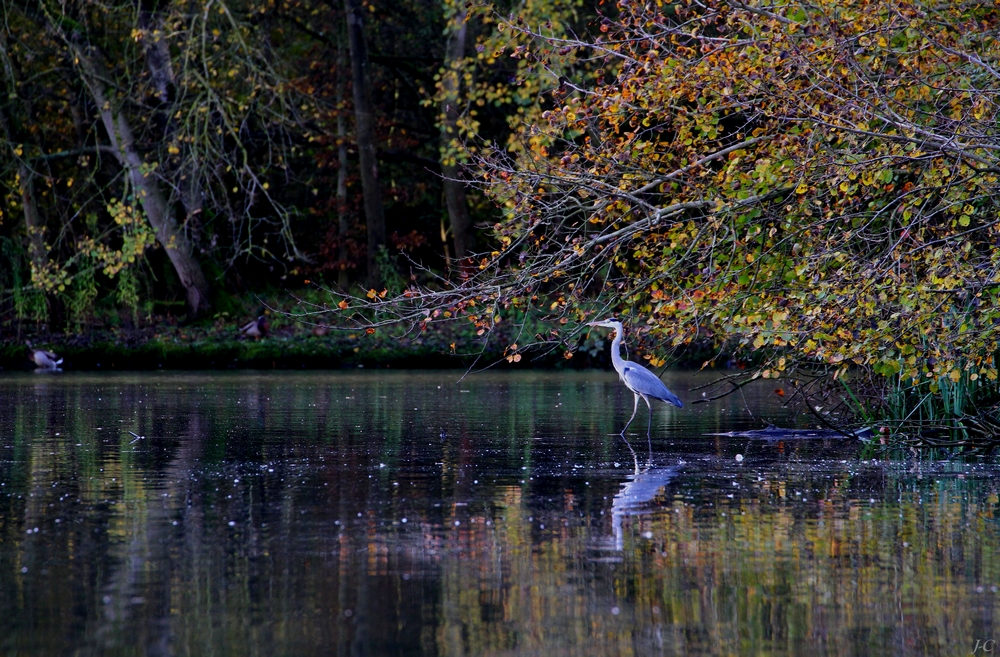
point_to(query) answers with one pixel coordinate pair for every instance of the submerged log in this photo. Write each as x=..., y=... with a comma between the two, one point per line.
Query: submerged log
x=780, y=433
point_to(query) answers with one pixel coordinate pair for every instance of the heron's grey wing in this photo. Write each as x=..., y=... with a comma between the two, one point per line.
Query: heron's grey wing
x=641, y=380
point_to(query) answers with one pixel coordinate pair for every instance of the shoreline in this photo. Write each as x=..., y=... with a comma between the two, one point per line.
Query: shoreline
x=292, y=348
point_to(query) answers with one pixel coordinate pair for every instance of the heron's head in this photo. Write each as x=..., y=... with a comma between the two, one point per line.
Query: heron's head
x=610, y=322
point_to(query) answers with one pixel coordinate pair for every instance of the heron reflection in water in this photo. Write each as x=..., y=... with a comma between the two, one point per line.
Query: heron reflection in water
x=636, y=377
x=641, y=488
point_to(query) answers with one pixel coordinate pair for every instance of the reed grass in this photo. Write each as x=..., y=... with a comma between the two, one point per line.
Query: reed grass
x=931, y=412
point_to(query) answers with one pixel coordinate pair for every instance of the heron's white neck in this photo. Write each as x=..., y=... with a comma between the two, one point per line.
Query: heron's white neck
x=616, y=345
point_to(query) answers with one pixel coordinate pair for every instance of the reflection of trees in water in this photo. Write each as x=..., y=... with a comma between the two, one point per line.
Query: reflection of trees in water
x=797, y=557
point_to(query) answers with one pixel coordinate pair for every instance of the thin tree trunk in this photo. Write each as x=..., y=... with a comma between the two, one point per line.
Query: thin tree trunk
x=157, y=52
x=454, y=188
x=161, y=71
x=444, y=244
x=33, y=223
x=13, y=133
x=364, y=118
x=168, y=232
x=342, y=225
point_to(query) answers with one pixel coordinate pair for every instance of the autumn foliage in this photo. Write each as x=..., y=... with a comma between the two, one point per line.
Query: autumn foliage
x=815, y=182
x=808, y=185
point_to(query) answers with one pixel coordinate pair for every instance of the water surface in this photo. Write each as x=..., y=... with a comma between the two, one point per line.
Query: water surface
x=386, y=513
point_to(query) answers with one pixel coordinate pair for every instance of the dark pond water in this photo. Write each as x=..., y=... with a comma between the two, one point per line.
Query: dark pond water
x=379, y=513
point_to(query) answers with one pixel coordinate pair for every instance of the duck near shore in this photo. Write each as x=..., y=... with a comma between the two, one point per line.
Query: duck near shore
x=43, y=360
x=256, y=328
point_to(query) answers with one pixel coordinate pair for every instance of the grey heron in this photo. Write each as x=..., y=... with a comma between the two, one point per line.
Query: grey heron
x=636, y=378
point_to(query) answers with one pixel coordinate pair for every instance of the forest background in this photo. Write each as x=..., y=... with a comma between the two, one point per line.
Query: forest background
x=808, y=190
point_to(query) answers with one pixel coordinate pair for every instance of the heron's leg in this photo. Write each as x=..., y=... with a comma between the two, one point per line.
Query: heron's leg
x=635, y=407
x=649, y=428
x=635, y=457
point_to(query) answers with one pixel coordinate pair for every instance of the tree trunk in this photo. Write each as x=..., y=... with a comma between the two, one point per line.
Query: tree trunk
x=156, y=50
x=33, y=223
x=168, y=232
x=342, y=225
x=364, y=118
x=14, y=133
x=454, y=188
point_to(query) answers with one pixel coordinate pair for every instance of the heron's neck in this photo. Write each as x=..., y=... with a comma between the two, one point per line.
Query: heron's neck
x=616, y=355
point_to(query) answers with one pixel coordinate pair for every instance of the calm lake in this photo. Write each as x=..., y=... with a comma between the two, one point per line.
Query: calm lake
x=385, y=513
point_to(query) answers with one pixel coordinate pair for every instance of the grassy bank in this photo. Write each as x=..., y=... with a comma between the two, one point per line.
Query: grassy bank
x=173, y=347
x=110, y=341
x=218, y=344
